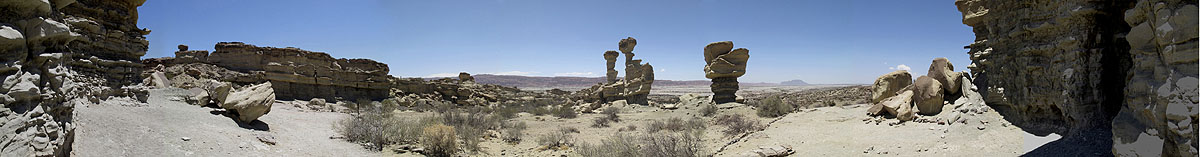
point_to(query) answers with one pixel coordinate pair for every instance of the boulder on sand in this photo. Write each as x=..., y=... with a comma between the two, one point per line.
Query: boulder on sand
x=942, y=71
x=890, y=84
x=250, y=102
x=927, y=95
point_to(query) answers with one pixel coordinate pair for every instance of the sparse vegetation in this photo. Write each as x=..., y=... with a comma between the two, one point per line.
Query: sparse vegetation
x=737, y=124
x=367, y=128
x=565, y=111
x=560, y=139
x=676, y=124
x=513, y=134
x=773, y=106
x=617, y=145
x=470, y=126
x=708, y=110
x=631, y=127
x=610, y=115
x=685, y=144
x=439, y=140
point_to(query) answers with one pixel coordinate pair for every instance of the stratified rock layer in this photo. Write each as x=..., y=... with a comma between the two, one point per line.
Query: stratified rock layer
x=55, y=55
x=1159, y=114
x=1080, y=65
x=295, y=73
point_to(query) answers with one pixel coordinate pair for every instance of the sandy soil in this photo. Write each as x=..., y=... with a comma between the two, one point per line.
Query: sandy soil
x=158, y=128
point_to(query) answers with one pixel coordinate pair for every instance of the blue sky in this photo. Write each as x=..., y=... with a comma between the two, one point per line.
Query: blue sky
x=818, y=41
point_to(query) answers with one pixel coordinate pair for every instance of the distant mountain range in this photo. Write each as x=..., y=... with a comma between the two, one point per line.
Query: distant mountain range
x=794, y=83
x=564, y=81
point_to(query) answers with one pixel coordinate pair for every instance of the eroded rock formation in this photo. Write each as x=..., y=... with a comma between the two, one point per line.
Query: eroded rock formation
x=724, y=65
x=55, y=55
x=1161, y=99
x=634, y=87
x=890, y=84
x=1076, y=67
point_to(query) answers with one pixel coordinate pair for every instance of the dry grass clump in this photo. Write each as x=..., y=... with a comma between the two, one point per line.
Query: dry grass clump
x=470, y=125
x=560, y=140
x=773, y=106
x=439, y=140
x=737, y=124
x=367, y=128
x=686, y=144
x=676, y=124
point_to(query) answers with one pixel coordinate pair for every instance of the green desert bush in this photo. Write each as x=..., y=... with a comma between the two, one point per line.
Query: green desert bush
x=708, y=110
x=439, y=140
x=773, y=106
x=737, y=124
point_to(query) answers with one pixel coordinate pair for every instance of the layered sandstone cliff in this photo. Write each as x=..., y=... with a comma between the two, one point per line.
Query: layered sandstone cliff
x=55, y=55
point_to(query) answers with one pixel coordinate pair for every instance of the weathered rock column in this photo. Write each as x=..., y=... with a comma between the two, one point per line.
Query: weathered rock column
x=724, y=66
x=464, y=77
x=611, y=58
x=638, y=76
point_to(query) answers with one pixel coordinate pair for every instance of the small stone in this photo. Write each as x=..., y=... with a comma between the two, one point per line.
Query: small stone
x=981, y=128
x=186, y=138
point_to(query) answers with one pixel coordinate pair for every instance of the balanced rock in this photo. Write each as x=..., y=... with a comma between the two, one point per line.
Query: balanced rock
x=251, y=102
x=611, y=63
x=724, y=65
x=928, y=95
x=942, y=71
x=889, y=84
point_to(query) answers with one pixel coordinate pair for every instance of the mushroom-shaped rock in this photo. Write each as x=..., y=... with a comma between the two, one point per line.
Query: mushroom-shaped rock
x=183, y=47
x=610, y=58
x=890, y=84
x=626, y=45
x=724, y=66
x=942, y=71
x=927, y=95
x=251, y=102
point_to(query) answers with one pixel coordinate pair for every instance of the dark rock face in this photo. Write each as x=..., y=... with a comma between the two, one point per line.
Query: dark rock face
x=1076, y=66
x=55, y=55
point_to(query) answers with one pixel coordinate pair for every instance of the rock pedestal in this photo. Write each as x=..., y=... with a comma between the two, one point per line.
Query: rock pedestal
x=724, y=65
x=611, y=62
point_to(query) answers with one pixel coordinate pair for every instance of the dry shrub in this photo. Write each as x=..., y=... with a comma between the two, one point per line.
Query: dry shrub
x=367, y=128
x=565, y=111
x=676, y=124
x=737, y=124
x=439, y=140
x=708, y=110
x=617, y=145
x=470, y=126
x=513, y=134
x=773, y=106
x=610, y=115
x=560, y=139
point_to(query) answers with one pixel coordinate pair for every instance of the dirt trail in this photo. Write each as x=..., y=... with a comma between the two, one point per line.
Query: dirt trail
x=158, y=128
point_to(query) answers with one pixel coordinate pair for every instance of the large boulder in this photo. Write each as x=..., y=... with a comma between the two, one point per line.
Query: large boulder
x=250, y=102
x=942, y=71
x=928, y=96
x=889, y=84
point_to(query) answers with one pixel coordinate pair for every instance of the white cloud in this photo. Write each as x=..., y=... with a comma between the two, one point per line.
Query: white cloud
x=443, y=75
x=901, y=67
x=576, y=74
x=662, y=70
x=513, y=73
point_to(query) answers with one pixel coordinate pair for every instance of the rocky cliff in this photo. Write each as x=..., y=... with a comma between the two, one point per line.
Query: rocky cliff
x=1071, y=66
x=55, y=55
x=295, y=74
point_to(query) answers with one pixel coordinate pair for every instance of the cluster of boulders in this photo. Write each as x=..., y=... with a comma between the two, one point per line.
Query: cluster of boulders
x=724, y=65
x=59, y=54
x=634, y=88
x=1126, y=65
x=897, y=94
